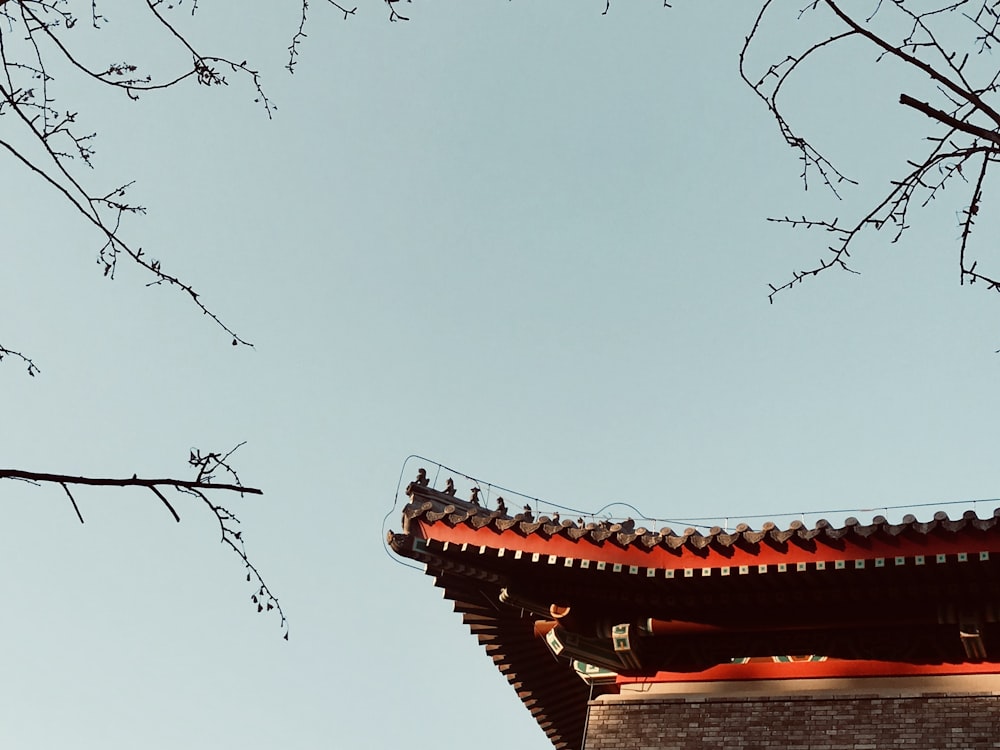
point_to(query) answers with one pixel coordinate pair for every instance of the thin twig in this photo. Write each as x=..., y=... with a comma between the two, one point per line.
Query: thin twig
x=71, y=499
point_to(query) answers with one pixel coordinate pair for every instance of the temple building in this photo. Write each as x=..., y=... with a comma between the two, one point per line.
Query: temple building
x=865, y=636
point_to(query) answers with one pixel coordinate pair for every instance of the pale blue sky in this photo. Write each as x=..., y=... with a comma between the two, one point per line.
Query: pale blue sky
x=524, y=239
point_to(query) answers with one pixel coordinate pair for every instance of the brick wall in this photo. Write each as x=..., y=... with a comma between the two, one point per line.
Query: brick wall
x=843, y=722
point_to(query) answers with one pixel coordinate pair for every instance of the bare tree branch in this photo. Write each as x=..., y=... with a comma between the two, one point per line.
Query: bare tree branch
x=300, y=34
x=972, y=134
x=35, y=476
x=953, y=122
x=32, y=367
x=35, y=40
x=208, y=467
x=961, y=91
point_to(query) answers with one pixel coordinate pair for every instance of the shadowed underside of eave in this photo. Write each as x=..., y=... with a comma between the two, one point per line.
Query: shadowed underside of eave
x=553, y=694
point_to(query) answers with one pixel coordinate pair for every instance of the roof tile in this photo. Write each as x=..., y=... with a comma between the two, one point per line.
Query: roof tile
x=431, y=506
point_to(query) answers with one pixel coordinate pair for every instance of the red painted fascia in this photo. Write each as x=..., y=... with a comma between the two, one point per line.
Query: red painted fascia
x=854, y=548
x=813, y=670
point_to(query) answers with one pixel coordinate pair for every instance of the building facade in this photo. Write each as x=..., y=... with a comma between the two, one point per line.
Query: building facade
x=863, y=636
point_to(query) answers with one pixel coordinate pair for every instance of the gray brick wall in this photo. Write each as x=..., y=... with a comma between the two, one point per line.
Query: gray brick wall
x=932, y=722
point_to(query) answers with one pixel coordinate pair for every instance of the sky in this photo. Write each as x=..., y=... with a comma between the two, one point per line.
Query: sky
x=527, y=241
